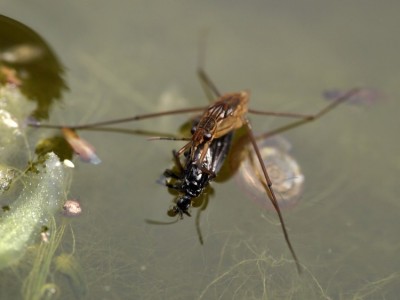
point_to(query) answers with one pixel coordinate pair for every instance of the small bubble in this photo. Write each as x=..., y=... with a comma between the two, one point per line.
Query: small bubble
x=71, y=208
x=68, y=163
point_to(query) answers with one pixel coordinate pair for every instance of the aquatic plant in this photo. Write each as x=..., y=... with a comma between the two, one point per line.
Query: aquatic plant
x=41, y=197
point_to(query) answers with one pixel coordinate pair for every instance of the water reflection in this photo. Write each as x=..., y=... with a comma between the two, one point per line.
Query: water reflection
x=366, y=96
x=283, y=170
x=28, y=61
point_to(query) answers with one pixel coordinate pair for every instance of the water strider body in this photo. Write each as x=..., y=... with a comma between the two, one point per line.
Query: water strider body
x=220, y=118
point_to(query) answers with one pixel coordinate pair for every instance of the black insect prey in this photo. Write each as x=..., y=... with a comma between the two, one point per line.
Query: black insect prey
x=192, y=178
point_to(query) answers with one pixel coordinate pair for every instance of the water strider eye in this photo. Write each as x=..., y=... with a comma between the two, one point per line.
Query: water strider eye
x=207, y=136
x=193, y=130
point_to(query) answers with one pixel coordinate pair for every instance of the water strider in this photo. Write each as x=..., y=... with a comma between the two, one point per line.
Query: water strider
x=225, y=115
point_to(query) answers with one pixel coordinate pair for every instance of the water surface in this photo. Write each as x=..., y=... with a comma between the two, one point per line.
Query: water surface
x=136, y=57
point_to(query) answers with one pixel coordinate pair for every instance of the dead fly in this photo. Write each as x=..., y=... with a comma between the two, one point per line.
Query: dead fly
x=200, y=167
x=190, y=179
x=227, y=114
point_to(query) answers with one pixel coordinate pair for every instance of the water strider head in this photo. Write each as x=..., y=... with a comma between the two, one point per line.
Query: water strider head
x=202, y=134
x=182, y=205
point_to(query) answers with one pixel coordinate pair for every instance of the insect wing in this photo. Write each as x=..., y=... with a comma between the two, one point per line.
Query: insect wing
x=219, y=150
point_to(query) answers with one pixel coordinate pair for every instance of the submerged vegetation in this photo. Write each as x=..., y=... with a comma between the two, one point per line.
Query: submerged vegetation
x=41, y=197
x=34, y=184
x=32, y=192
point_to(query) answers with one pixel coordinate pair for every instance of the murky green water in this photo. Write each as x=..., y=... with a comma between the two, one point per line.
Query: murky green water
x=135, y=57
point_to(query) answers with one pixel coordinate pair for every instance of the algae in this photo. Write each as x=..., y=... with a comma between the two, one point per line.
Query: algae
x=40, y=199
